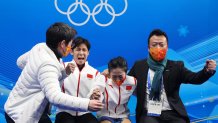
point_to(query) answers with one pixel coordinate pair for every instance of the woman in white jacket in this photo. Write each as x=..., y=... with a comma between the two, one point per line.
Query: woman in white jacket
x=78, y=83
x=117, y=89
x=39, y=80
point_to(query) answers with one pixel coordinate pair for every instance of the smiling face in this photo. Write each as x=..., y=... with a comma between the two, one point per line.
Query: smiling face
x=80, y=54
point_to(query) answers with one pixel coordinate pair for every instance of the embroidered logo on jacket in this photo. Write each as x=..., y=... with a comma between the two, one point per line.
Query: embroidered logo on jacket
x=128, y=88
x=90, y=76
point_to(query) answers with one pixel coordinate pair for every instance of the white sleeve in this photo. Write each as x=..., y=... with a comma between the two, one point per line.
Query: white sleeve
x=48, y=78
x=100, y=84
x=22, y=60
x=135, y=90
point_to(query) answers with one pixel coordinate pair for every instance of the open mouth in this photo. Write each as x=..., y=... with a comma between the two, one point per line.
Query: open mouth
x=81, y=58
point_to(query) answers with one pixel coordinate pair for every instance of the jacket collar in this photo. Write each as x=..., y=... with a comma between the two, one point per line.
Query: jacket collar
x=86, y=64
x=50, y=52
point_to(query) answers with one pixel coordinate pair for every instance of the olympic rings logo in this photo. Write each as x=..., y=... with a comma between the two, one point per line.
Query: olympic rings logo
x=86, y=10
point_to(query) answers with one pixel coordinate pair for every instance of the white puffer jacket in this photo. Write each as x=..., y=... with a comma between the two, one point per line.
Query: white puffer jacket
x=38, y=84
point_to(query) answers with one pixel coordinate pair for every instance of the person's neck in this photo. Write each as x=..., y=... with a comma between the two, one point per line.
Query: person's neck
x=57, y=54
x=81, y=67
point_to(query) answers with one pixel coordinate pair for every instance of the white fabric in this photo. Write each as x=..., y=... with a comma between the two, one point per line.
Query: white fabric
x=116, y=98
x=38, y=84
x=79, y=84
x=166, y=105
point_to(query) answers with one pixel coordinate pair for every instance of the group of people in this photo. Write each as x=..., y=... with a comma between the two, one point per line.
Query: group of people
x=78, y=89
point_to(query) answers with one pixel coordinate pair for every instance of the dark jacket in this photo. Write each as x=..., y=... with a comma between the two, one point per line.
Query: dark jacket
x=174, y=75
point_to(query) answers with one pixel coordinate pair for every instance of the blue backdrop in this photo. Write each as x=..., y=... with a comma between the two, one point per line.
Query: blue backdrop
x=118, y=27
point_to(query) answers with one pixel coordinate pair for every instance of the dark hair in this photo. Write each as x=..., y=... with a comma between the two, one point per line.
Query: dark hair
x=157, y=32
x=118, y=62
x=59, y=32
x=80, y=40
